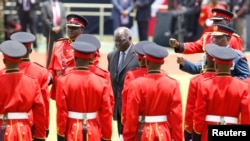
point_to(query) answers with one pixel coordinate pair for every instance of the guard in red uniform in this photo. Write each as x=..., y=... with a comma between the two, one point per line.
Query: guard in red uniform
x=62, y=57
x=206, y=14
x=133, y=74
x=80, y=96
x=220, y=16
x=88, y=38
x=222, y=103
x=192, y=93
x=34, y=69
x=144, y=119
x=20, y=94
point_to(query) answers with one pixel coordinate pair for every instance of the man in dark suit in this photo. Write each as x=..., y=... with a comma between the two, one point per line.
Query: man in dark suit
x=54, y=22
x=26, y=10
x=120, y=61
x=143, y=15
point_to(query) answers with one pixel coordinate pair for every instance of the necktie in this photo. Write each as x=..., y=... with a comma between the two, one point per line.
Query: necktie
x=26, y=5
x=56, y=15
x=121, y=60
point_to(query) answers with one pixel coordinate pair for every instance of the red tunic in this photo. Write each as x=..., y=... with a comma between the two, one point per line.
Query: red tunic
x=191, y=98
x=106, y=75
x=228, y=96
x=147, y=94
x=84, y=92
x=62, y=60
x=199, y=45
x=21, y=93
x=206, y=13
x=131, y=75
x=37, y=71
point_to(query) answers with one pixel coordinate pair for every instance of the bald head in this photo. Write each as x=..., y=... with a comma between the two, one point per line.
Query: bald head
x=123, y=38
x=124, y=31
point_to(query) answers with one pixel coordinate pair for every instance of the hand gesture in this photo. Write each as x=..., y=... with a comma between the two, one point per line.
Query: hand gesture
x=173, y=43
x=180, y=60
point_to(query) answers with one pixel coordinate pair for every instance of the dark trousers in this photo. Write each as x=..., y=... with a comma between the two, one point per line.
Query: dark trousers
x=119, y=124
x=143, y=30
x=28, y=21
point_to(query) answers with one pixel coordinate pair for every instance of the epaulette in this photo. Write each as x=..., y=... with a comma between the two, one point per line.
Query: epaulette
x=100, y=72
x=170, y=77
x=39, y=64
x=68, y=72
x=31, y=76
x=234, y=34
x=103, y=69
x=208, y=78
x=62, y=39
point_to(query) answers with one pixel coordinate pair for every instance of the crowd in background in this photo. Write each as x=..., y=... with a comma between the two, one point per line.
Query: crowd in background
x=120, y=92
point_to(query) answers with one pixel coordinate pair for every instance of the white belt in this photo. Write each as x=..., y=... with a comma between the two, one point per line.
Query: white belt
x=152, y=119
x=222, y=119
x=14, y=116
x=83, y=116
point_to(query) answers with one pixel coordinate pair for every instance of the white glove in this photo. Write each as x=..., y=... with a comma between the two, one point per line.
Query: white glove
x=121, y=137
x=208, y=22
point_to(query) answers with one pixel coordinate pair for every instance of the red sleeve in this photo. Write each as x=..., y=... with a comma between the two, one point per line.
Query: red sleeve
x=190, y=106
x=200, y=109
x=55, y=65
x=38, y=110
x=129, y=76
x=46, y=95
x=62, y=109
x=105, y=112
x=175, y=115
x=195, y=47
x=110, y=90
x=56, y=57
x=245, y=119
x=131, y=126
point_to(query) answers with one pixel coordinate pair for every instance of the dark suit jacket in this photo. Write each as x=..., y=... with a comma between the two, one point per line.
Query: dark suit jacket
x=47, y=17
x=143, y=12
x=117, y=78
x=239, y=69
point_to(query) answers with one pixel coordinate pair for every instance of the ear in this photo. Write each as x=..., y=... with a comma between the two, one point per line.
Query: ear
x=82, y=29
x=4, y=61
x=215, y=66
x=146, y=62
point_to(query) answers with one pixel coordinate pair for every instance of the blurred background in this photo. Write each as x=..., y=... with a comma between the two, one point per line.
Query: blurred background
x=169, y=18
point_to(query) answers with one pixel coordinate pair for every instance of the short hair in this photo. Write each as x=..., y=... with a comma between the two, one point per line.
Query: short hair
x=123, y=30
